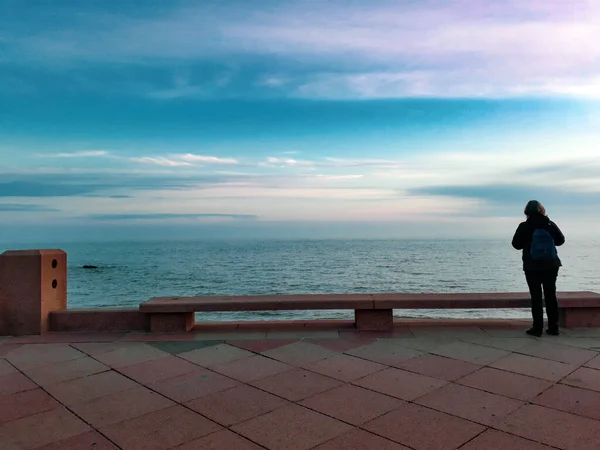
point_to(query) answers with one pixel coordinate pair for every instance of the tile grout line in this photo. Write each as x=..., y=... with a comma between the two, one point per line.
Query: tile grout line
x=183, y=404
x=74, y=413
x=342, y=353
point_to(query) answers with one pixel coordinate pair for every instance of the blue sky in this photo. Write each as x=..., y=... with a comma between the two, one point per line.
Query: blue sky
x=296, y=119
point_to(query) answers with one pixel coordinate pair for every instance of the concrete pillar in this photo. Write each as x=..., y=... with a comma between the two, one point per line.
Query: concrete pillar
x=32, y=284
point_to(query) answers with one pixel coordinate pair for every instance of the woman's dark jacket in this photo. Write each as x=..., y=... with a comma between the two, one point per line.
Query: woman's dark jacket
x=522, y=241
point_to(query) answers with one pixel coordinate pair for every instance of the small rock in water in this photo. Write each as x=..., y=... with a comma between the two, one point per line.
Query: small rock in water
x=87, y=266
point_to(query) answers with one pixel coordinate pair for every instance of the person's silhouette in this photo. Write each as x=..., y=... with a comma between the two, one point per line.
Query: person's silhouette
x=538, y=237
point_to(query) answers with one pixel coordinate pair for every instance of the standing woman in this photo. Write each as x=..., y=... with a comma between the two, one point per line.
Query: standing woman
x=538, y=237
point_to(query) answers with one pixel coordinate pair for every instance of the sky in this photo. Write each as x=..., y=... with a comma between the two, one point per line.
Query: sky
x=296, y=119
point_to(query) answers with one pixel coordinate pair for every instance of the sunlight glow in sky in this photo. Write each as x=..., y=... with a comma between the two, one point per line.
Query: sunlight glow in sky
x=296, y=118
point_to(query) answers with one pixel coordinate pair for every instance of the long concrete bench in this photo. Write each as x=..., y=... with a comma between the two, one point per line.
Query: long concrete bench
x=373, y=312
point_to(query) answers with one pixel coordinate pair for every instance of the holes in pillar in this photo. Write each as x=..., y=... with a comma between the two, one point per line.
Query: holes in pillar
x=54, y=263
x=54, y=284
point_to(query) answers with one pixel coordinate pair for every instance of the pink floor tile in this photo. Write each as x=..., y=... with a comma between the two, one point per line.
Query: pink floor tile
x=260, y=345
x=439, y=367
x=424, y=429
x=558, y=352
x=160, y=430
x=571, y=399
x=503, y=343
x=33, y=432
x=159, y=369
x=129, y=354
x=89, y=388
x=360, y=440
x=221, y=440
x=299, y=353
x=215, y=355
x=352, y=404
x=385, y=353
x=236, y=405
x=6, y=368
x=594, y=363
x=296, y=384
x=252, y=368
x=304, y=429
x=554, y=428
x=497, y=440
x=5, y=349
x=509, y=384
x=345, y=367
x=157, y=337
x=508, y=332
x=400, y=383
x=22, y=404
x=359, y=337
x=95, y=348
x=193, y=385
x=534, y=367
x=303, y=333
x=471, y=404
x=448, y=333
x=86, y=441
x=64, y=371
x=37, y=355
x=472, y=353
x=17, y=382
x=341, y=345
x=65, y=337
x=584, y=378
x=121, y=406
x=54, y=337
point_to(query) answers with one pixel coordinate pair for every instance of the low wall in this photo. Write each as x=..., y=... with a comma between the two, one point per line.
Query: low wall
x=33, y=300
x=105, y=319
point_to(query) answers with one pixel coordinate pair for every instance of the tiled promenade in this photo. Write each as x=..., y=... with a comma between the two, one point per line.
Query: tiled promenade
x=423, y=388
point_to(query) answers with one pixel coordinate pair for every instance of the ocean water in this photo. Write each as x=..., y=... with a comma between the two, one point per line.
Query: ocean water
x=131, y=272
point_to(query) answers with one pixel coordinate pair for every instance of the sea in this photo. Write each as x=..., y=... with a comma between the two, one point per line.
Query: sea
x=129, y=273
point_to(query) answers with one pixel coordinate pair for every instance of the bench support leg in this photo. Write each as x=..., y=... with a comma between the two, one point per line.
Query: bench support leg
x=373, y=319
x=579, y=317
x=172, y=322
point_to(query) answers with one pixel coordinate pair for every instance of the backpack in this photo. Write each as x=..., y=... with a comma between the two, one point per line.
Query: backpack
x=542, y=246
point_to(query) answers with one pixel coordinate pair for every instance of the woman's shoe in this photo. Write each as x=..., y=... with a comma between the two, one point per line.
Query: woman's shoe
x=534, y=332
x=553, y=331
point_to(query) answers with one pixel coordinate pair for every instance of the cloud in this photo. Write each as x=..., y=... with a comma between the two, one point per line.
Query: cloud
x=159, y=161
x=16, y=207
x=181, y=88
x=40, y=189
x=67, y=184
x=341, y=49
x=83, y=154
x=165, y=216
x=513, y=195
x=340, y=177
x=272, y=161
x=189, y=157
x=327, y=162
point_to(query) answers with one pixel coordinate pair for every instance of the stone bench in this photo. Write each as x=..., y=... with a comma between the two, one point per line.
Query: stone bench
x=373, y=312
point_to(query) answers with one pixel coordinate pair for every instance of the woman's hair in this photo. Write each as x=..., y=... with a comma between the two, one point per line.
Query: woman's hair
x=534, y=207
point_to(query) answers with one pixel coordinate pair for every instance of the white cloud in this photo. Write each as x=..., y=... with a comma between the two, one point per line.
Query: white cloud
x=339, y=177
x=272, y=161
x=82, y=154
x=160, y=161
x=380, y=49
x=189, y=157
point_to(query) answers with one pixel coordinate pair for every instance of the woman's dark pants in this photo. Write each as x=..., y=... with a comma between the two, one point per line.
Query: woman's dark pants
x=536, y=279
